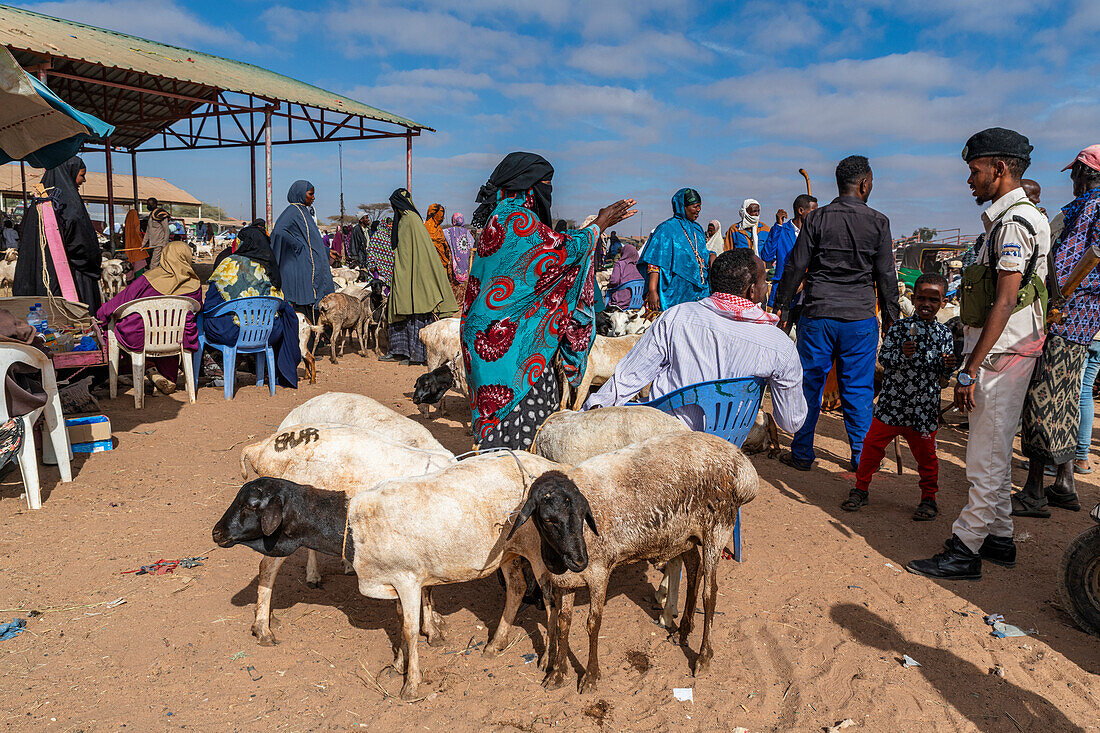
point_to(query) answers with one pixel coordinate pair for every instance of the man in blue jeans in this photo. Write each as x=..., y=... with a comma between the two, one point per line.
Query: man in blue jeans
x=844, y=260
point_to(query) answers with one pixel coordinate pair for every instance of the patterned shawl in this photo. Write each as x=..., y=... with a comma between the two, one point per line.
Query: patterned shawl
x=530, y=294
x=461, y=243
x=380, y=253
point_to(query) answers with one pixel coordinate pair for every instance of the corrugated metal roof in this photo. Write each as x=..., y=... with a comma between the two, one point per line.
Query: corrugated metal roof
x=94, y=189
x=49, y=36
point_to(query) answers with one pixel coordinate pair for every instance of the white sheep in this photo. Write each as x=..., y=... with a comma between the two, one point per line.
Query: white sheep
x=605, y=355
x=341, y=458
x=445, y=527
x=573, y=437
x=442, y=341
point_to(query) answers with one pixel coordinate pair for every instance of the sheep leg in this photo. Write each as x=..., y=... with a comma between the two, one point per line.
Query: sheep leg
x=512, y=568
x=582, y=391
x=597, y=591
x=410, y=596
x=313, y=570
x=433, y=622
x=668, y=594
x=559, y=658
x=687, y=623
x=361, y=333
x=773, y=438
x=337, y=339
x=711, y=552
x=265, y=580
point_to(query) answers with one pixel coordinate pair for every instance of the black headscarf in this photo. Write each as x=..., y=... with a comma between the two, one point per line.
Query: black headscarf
x=517, y=172
x=253, y=243
x=401, y=202
x=77, y=233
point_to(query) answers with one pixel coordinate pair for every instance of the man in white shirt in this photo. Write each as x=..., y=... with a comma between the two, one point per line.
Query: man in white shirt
x=724, y=336
x=1002, y=354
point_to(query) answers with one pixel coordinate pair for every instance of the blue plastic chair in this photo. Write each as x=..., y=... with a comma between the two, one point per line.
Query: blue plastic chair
x=726, y=408
x=256, y=317
x=637, y=293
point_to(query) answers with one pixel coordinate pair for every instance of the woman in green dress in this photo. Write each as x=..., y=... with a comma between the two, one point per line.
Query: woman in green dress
x=421, y=292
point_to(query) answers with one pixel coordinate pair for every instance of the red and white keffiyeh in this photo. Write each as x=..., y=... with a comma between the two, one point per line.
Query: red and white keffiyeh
x=741, y=309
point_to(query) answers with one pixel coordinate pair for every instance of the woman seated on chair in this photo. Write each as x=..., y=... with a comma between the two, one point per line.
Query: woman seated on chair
x=248, y=273
x=174, y=275
x=624, y=272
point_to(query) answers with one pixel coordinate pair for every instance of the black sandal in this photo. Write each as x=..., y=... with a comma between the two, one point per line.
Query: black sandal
x=1025, y=505
x=926, y=511
x=856, y=500
x=1063, y=499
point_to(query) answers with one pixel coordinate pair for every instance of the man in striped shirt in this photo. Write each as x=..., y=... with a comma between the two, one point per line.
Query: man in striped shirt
x=724, y=336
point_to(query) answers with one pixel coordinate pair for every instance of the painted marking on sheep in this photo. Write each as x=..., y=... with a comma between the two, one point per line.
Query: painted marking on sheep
x=286, y=441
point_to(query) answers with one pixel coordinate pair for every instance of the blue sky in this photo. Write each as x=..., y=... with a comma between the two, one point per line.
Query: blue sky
x=641, y=97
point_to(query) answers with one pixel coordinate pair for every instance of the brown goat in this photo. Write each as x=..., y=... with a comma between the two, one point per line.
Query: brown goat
x=343, y=312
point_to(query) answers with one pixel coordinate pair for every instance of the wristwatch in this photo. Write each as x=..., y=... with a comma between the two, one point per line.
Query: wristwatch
x=965, y=380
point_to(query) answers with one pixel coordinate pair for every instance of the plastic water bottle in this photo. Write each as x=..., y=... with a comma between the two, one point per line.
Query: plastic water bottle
x=37, y=318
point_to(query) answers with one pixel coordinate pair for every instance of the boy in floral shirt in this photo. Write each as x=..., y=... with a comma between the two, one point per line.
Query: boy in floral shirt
x=916, y=352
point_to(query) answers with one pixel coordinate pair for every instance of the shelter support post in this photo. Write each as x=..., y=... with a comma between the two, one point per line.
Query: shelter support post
x=267, y=161
x=133, y=171
x=408, y=160
x=23, y=178
x=110, y=196
x=252, y=201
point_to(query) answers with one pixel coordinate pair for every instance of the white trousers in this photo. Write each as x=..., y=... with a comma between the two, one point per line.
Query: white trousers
x=998, y=401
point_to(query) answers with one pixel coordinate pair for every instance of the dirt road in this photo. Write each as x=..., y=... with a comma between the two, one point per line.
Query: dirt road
x=811, y=627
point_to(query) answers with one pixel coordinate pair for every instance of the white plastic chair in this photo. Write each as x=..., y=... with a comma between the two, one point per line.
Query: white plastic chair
x=164, y=318
x=55, y=441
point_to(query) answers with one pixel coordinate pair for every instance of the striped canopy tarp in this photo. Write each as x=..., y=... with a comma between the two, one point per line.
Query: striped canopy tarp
x=35, y=124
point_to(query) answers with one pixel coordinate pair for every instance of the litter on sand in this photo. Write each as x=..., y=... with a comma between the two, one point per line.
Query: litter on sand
x=8, y=631
x=162, y=567
x=908, y=661
x=1001, y=630
x=846, y=723
x=530, y=657
x=684, y=694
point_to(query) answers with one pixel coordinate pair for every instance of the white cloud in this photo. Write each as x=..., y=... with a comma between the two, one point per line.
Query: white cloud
x=643, y=55
x=157, y=20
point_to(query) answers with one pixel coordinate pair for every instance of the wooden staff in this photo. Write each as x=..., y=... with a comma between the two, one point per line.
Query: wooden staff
x=807, y=177
x=1088, y=262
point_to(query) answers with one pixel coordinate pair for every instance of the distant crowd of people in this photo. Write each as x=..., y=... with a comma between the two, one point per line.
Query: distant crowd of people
x=526, y=293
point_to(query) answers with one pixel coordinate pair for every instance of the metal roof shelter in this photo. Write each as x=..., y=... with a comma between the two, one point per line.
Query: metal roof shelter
x=162, y=97
x=94, y=190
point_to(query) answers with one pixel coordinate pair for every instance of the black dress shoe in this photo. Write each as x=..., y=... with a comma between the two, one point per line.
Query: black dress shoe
x=999, y=551
x=956, y=562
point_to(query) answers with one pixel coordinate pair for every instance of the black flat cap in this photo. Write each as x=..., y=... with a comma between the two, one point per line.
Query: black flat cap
x=999, y=142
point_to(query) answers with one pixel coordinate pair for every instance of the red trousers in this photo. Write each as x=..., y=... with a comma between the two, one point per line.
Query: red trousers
x=923, y=446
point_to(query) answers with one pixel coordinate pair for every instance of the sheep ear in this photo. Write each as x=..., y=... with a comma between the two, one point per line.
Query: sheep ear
x=271, y=515
x=591, y=522
x=524, y=514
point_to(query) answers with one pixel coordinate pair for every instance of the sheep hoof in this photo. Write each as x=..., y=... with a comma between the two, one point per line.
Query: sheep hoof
x=273, y=622
x=436, y=639
x=264, y=639
x=587, y=683
x=408, y=692
x=554, y=680
x=315, y=584
x=702, y=664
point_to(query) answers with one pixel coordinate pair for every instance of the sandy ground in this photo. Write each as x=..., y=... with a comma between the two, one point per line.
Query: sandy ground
x=810, y=629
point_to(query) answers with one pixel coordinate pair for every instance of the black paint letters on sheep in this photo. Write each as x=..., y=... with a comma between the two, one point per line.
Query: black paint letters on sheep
x=289, y=440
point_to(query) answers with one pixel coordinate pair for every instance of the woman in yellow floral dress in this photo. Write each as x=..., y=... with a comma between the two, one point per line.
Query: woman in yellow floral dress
x=247, y=273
